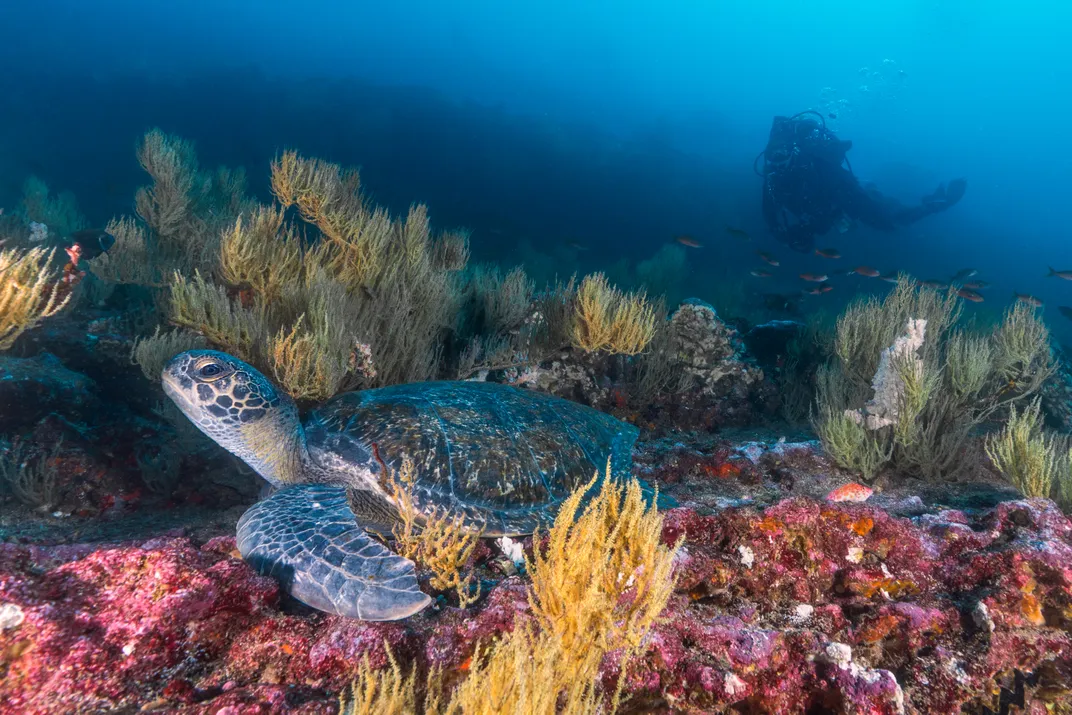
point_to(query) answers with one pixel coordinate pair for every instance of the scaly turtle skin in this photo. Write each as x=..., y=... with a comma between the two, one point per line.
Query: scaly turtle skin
x=502, y=458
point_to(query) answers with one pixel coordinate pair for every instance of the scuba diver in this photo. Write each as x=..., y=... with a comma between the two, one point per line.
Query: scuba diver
x=809, y=187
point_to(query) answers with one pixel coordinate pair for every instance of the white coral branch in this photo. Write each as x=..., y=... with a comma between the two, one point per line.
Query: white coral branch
x=883, y=409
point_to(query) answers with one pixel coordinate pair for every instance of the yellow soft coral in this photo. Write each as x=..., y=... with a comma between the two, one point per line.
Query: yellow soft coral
x=435, y=540
x=607, y=319
x=29, y=292
x=605, y=575
x=600, y=584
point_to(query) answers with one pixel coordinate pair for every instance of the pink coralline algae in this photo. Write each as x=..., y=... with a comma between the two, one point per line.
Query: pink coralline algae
x=805, y=606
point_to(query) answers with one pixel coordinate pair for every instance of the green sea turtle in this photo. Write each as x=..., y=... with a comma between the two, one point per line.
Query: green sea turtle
x=501, y=457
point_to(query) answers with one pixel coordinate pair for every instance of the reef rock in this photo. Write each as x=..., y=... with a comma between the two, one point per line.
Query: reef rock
x=718, y=383
x=31, y=388
x=800, y=607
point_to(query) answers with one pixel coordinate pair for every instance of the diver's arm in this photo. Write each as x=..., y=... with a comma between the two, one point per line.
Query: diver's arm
x=868, y=207
x=942, y=199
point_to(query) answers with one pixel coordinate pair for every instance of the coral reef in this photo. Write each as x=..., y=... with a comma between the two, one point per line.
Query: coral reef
x=788, y=608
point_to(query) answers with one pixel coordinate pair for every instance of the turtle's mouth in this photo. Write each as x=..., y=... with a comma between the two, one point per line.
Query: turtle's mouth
x=175, y=393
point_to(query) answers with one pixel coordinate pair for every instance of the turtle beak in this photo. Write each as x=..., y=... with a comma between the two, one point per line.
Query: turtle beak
x=173, y=380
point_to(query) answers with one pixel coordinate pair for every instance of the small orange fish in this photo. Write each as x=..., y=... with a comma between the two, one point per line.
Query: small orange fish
x=819, y=290
x=970, y=295
x=738, y=233
x=814, y=278
x=851, y=492
x=1064, y=275
x=768, y=258
x=827, y=252
x=760, y=274
x=866, y=271
x=1029, y=299
x=689, y=241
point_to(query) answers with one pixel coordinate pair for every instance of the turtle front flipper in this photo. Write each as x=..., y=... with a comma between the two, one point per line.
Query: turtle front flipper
x=307, y=537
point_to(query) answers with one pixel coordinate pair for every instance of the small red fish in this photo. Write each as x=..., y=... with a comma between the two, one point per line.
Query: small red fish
x=866, y=271
x=827, y=253
x=970, y=295
x=975, y=285
x=814, y=278
x=75, y=253
x=689, y=241
x=889, y=278
x=768, y=258
x=1029, y=299
x=851, y=492
x=761, y=274
x=819, y=290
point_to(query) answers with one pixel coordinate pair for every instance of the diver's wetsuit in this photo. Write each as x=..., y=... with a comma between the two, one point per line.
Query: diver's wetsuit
x=808, y=187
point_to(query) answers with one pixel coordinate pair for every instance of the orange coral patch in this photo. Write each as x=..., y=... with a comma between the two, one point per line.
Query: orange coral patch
x=728, y=469
x=863, y=526
x=879, y=629
x=770, y=525
x=1032, y=609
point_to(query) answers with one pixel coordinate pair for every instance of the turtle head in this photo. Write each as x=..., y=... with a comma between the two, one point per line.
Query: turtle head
x=241, y=410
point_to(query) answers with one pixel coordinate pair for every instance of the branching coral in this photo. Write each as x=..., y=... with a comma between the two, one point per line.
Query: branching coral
x=151, y=353
x=524, y=673
x=32, y=482
x=382, y=692
x=261, y=253
x=131, y=259
x=363, y=299
x=434, y=539
x=1027, y=457
x=206, y=309
x=30, y=291
x=607, y=319
x=605, y=575
x=940, y=391
x=59, y=213
x=851, y=444
x=600, y=583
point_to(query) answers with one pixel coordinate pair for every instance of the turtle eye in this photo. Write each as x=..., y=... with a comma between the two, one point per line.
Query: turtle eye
x=211, y=371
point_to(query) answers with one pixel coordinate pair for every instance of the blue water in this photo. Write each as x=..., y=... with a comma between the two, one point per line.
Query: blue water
x=613, y=125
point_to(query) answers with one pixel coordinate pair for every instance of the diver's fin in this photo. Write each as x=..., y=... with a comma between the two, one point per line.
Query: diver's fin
x=306, y=536
x=954, y=192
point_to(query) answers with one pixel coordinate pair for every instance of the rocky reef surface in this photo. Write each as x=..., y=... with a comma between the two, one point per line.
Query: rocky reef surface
x=784, y=603
x=925, y=598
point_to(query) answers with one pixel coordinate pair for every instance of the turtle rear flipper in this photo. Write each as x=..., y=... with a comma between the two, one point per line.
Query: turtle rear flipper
x=306, y=536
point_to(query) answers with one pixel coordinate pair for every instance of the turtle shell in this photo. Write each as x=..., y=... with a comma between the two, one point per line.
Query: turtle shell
x=502, y=457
